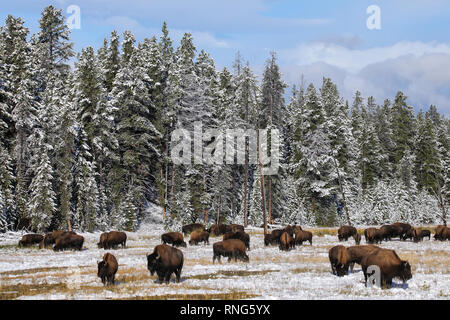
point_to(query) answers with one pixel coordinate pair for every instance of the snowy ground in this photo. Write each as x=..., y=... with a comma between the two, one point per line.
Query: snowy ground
x=303, y=273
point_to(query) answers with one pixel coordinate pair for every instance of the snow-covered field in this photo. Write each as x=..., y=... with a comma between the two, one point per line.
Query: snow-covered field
x=302, y=273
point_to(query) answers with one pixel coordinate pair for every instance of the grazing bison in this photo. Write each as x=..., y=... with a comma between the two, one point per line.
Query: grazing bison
x=102, y=240
x=276, y=233
x=219, y=229
x=409, y=234
x=68, y=241
x=244, y=237
x=286, y=242
x=165, y=260
x=30, y=239
x=438, y=233
x=339, y=260
x=114, y=238
x=373, y=235
x=176, y=239
x=231, y=248
x=199, y=236
x=269, y=239
x=445, y=234
x=345, y=232
x=391, y=266
x=188, y=228
x=400, y=229
x=107, y=269
x=302, y=236
x=357, y=253
x=49, y=239
x=419, y=234
x=387, y=232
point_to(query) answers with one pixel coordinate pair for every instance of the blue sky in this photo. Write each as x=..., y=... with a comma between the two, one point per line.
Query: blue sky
x=411, y=51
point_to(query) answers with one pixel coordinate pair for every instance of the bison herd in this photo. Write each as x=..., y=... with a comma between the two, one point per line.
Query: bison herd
x=166, y=259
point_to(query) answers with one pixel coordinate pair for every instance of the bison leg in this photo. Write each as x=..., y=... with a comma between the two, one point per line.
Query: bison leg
x=167, y=277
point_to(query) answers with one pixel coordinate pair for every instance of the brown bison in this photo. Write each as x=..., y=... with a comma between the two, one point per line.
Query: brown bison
x=409, y=234
x=357, y=238
x=339, y=260
x=165, y=260
x=188, y=228
x=390, y=265
x=176, y=239
x=302, y=236
x=107, y=269
x=102, y=240
x=199, y=236
x=30, y=239
x=345, y=232
x=68, y=241
x=296, y=229
x=419, y=234
x=269, y=239
x=49, y=239
x=438, y=233
x=357, y=253
x=445, y=234
x=219, y=229
x=400, y=229
x=290, y=230
x=276, y=234
x=286, y=242
x=387, y=232
x=231, y=248
x=373, y=235
x=114, y=238
x=244, y=237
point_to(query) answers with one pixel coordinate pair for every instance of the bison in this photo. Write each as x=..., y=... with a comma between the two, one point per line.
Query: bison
x=49, y=239
x=189, y=228
x=276, y=234
x=236, y=227
x=339, y=260
x=219, y=229
x=30, y=239
x=114, y=238
x=390, y=265
x=165, y=260
x=68, y=241
x=419, y=234
x=445, y=234
x=439, y=231
x=269, y=239
x=357, y=253
x=409, y=234
x=102, y=240
x=373, y=235
x=199, y=236
x=345, y=232
x=244, y=237
x=302, y=236
x=296, y=229
x=286, y=242
x=400, y=229
x=107, y=268
x=387, y=232
x=357, y=238
x=176, y=239
x=231, y=248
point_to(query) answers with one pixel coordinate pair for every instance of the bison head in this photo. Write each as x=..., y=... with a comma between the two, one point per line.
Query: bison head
x=101, y=268
x=405, y=271
x=183, y=244
x=153, y=262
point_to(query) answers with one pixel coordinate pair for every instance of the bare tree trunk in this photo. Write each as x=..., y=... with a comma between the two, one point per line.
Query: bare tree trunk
x=269, y=196
x=262, y=189
x=246, y=167
x=342, y=192
x=166, y=177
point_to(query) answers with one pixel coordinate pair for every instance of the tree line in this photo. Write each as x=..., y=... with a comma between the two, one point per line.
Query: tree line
x=88, y=147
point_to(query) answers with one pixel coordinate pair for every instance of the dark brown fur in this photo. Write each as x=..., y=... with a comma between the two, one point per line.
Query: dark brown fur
x=357, y=253
x=231, y=248
x=30, y=239
x=199, y=236
x=69, y=241
x=345, y=232
x=115, y=238
x=244, y=237
x=102, y=240
x=165, y=260
x=188, y=228
x=373, y=235
x=419, y=234
x=339, y=260
x=302, y=236
x=50, y=238
x=391, y=266
x=219, y=229
x=286, y=242
x=107, y=269
x=176, y=239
